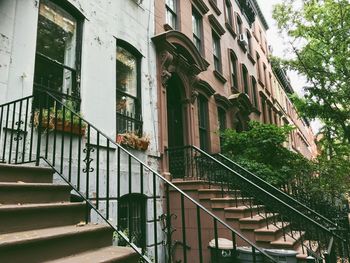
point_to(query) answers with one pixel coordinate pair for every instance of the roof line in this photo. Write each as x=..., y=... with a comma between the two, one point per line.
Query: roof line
x=261, y=15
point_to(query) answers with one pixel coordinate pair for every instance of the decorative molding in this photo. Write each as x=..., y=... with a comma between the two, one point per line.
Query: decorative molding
x=215, y=7
x=215, y=24
x=242, y=101
x=179, y=45
x=201, y=6
x=222, y=101
x=204, y=87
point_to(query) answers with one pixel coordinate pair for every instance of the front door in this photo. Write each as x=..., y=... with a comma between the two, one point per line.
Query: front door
x=175, y=127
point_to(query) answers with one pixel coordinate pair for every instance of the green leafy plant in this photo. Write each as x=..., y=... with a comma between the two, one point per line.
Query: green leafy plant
x=62, y=120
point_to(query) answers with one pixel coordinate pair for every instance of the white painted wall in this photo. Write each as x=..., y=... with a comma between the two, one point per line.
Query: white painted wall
x=105, y=21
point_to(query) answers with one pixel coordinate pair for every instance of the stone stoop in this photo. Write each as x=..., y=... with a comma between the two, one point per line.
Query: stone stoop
x=38, y=223
x=258, y=226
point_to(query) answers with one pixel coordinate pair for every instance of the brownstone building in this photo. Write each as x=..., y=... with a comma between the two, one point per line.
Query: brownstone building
x=214, y=73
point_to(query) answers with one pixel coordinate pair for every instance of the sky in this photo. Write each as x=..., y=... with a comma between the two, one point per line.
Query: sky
x=280, y=49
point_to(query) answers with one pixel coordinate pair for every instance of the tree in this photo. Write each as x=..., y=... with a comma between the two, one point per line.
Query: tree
x=261, y=150
x=319, y=35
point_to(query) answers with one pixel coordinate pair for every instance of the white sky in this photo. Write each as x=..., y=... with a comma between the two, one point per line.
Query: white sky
x=280, y=49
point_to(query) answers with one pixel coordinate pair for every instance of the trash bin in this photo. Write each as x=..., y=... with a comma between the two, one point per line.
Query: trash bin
x=245, y=255
x=224, y=252
x=283, y=255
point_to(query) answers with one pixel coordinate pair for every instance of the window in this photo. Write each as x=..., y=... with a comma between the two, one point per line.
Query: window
x=249, y=46
x=203, y=122
x=222, y=122
x=216, y=51
x=245, y=80
x=258, y=66
x=239, y=25
x=254, y=93
x=128, y=89
x=197, y=29
x=229, y=18
x=264, y=75
x=263, y=109
x=171, y=17
x=57, y=60
x=234, y=73
x=132, y=217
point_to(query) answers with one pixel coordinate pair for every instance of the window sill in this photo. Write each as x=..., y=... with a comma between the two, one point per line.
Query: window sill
x=242, y=46
x=215, y=7
x=230, y=29
x=261, y=83
x=234, y=90
x=167, y=27
x=219, y=76
x=251, y=58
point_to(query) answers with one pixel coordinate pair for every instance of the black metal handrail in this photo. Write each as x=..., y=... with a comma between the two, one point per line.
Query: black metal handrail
x=276, y=192
x=289, y=198
x=190, y=162
x=92, y=163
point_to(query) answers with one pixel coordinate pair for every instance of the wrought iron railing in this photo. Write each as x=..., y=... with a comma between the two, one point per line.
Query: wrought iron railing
x=128, y=122
x=177, y=228
x=334, y=218
x=291, y=217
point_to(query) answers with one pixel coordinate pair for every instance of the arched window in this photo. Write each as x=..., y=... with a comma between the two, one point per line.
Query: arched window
x=128, y=67
x=58, y=49
x=132, y=217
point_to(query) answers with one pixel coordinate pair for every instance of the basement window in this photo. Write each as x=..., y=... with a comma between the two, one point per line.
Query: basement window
x=132, y=217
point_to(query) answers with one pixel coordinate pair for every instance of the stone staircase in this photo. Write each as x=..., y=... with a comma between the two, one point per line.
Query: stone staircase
x=261, y=228
x=38, y=223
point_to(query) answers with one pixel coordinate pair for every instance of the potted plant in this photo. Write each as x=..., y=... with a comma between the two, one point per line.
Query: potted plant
x=132, y=140
x=51, y=120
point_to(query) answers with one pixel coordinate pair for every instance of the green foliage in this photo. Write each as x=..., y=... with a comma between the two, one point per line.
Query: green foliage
x=261, y=150
x=319, y=34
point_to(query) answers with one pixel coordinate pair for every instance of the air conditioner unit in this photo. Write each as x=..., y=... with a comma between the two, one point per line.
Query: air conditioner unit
x=243, y=39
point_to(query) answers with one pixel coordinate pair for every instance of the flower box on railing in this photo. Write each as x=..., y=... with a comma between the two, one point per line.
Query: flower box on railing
x=52, y=123
x=132, y=140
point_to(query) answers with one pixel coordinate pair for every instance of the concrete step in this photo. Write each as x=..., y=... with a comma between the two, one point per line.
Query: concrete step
x=271, y=233
x=190, y=185
x=35, y=216
x=242, y=211
x=256, y=221
x=289, y=241
x=27, y=174
x=206, y=194
x=102, y=255
x=26, y=193
x=224, y=202
x=53, y=243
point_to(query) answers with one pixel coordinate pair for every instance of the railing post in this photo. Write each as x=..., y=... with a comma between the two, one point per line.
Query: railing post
x=37, y=162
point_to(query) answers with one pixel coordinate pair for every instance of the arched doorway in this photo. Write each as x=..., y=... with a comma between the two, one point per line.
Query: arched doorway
x=175, y=112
